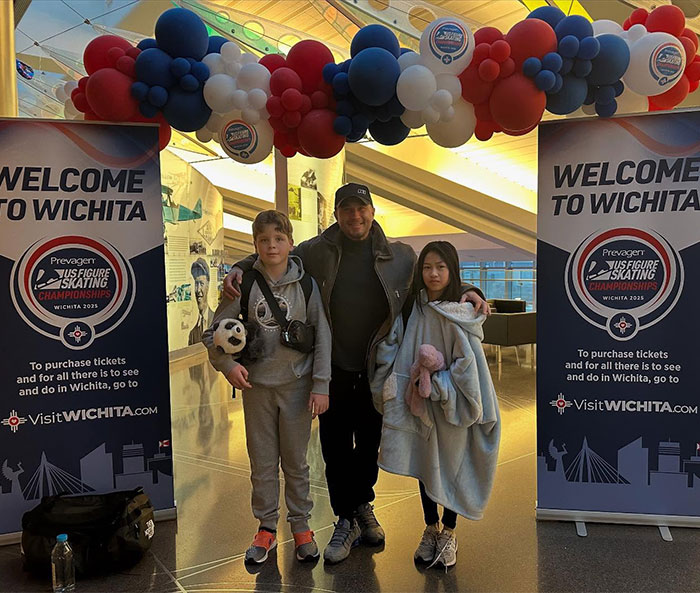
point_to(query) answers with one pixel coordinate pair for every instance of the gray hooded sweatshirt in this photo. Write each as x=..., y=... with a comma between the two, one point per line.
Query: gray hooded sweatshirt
x=280, y=365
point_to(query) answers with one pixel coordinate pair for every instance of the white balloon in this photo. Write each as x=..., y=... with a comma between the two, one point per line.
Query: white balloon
x=431, y=116
x=251, y=116
x=69, y=87
x=631, y=102
x=215, y=122
x=253, y=76
x=249, y=59
x=588, y=109
x=232, y=69
x=230, y=52
x=215, y=137
x=447, y=45
x=410, y=58
x=448, y=115
x=218, y=92
x=604, y=26
x=257, y=98
x=457, y=131
x=415, y=87
x=451, y=83
x=60, y=93
x=441, y=100
x=204, y=135
x=657, y=61
x=215, y=63
x=246, y=143
x=412, y=119
x=636, y=32
x=239, y=99
x=69, y=110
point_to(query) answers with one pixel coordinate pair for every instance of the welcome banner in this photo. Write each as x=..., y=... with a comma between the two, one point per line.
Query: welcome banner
x=618, y=254
x=85, y=403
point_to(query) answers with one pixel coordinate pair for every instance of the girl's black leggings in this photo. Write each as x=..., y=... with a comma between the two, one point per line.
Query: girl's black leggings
x=430, y=511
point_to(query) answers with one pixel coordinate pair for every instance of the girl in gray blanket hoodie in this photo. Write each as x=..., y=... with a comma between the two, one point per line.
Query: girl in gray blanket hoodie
x=441, y=421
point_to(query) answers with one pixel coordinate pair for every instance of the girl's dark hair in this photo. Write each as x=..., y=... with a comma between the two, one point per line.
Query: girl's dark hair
x=448, y=254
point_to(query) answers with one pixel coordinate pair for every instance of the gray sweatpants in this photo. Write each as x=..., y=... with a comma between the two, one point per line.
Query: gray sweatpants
x=278, y=427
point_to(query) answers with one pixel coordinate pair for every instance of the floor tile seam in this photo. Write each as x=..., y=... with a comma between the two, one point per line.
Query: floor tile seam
x=506, y=399
x=171, y=576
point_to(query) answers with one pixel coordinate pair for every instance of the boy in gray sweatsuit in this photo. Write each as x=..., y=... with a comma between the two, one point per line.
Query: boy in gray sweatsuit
x=282, y=391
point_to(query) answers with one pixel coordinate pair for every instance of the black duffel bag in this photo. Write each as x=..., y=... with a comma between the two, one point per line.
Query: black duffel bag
x=106, y=531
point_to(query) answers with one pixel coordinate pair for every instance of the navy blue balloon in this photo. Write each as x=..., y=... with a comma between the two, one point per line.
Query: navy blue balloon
x=179, y=67
x=345, y=66
x=147, y=43
x=567, y=65
x=200, y=71
x=570, y=97
x=356, y=135
x=531, y=67
x=360, y=122
x=185, y=111
x=619, y=87
x=558, y=83
x=605, y=94
x=405, y=50
x=148, y=110
x=215, y=43
x=340, y=83
x=373, y=74
x=383, y=114
x=139, y=90
x=575, y=25
x=552, y=61
x=606, y=109
x=545, y=80
x=342, y=125
x=395, y=107
x=611, y=62
x=390, y=132
x=588, y=48
x=153, y=68
x=189, y=83
x=329, y=71
x=590, y=96
x=157, y=96
x=549, y=14
x=582, y=68
x=375, y=36
x=344, y=108
x=568, y=46
x=181, y=33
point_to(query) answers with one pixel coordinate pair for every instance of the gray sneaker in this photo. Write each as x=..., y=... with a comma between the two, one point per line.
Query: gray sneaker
x=425, y=553
x=305, y=545
x=372, y=532
x=263, y=543
x=446, y=548
x=345, y=537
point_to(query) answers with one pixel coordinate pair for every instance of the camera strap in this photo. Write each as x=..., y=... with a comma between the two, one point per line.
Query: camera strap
x=271, y=300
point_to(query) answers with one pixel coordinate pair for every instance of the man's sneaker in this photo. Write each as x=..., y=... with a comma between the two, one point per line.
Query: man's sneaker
x=307, y=550
x=372, y=532
x=446, y=548
x=425, y=553
x=263, y=543
x=345, y=537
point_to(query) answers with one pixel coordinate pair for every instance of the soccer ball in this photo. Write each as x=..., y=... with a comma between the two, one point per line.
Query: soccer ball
x=229, y=336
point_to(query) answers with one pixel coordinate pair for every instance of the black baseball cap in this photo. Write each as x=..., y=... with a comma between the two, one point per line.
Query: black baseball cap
x=353, y=190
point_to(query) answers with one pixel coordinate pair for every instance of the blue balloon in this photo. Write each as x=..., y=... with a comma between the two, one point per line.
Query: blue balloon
x=147, y=43
x=139, y=90
x=383, y=114
x=373, y=74
x=375, y=36
x=549, y=14
x=575, y=25
x=604, y=95
x=619, y=87
x=552, y=61
x=590, y=96
x=531, y=67
x=390, y=132
x=582, y=68
x=185, y=111
x=200, y=71
x=558, y=83
x=345, y=66
x=344, y=108
x=215, y=43
x=179, y=67
x=568, y=46
x=189, y=83
x=356, y=135
x=148, y=110
x=606, y=109
x=181, y=33
x=570, y=97
x=153, y=68
x=611, y=62
x=342, y=125
x=360, y=122
x=567, y=65
x=157, y=96
x=340, y=83
x=588, y=48
x=545, y=80
x=329, y=71
x=395, y=107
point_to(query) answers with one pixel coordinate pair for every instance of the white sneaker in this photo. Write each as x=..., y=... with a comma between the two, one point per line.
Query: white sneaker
x=446, y=548
x=425, y=553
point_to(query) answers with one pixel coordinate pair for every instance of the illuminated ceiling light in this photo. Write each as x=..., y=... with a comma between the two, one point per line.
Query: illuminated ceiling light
x=253, y=30
x=420, y=17
x=222, y=17
x=286, y=42
x=380, y=5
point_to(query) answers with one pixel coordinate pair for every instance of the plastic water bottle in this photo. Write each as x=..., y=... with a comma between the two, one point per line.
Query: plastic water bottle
x=62, y=566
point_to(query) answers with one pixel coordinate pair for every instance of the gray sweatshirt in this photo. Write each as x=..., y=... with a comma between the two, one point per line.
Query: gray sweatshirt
x=280, y=365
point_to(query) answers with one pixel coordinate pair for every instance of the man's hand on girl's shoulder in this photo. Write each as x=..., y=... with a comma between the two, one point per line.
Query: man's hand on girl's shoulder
x=480, y=305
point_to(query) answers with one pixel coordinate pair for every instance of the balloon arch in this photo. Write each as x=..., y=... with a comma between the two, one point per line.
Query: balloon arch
x=459, y=84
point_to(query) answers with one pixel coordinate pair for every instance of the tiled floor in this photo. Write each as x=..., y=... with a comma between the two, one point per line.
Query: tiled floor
x=506, y=551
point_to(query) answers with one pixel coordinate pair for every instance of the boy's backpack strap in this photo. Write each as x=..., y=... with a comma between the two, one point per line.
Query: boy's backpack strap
x=307, y=286
x=246, y=284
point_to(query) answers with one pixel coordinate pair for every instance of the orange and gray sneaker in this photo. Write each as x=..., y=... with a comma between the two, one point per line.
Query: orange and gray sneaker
x=263, y=543
x=305, y=544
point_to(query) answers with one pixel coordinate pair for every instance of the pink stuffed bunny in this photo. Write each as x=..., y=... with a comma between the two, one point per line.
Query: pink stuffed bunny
x=429, y=360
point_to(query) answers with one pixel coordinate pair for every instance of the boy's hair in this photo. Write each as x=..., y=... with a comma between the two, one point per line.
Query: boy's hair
x=279, y=219
x=448, y=254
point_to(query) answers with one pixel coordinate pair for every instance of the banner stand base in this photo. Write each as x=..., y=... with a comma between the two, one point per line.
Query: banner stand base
x=663, y=522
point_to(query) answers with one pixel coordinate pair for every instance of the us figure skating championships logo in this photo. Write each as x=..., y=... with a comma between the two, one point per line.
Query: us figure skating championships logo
x=624, y=280
x=73, y=289
x=449, y=41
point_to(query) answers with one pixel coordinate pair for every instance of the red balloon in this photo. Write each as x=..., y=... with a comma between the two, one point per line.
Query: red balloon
x=489, y=70
x=291, y=119
x=507, y=68
x=80, y=101
x=274, y=106
x=500, y=51
x=689, y=48
x=90, y=116
x=692, y=36
x=291, y=100
x=133, y=52
x=474, y=89
x=82, y=83
x=127, y=65
x=666, y=18
x=639, y=16
x=277, y=123
x=516, y=103
x=113, y=54
x=109, y=95
x=654, y=107
x=485, y=129
x=482, y=111
x=487, y=35
x=528, y=38
x=694, y=85
x=316, y=135
x=521, y=132
x=626, y=24
x=283, y=79
x=481, y=52
x=692, y=70
x=319, y=100
x=307, y=58
x=307, y=105
x=288, y=151
x=675, y=95
x=272, y=62
x=95, y=55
